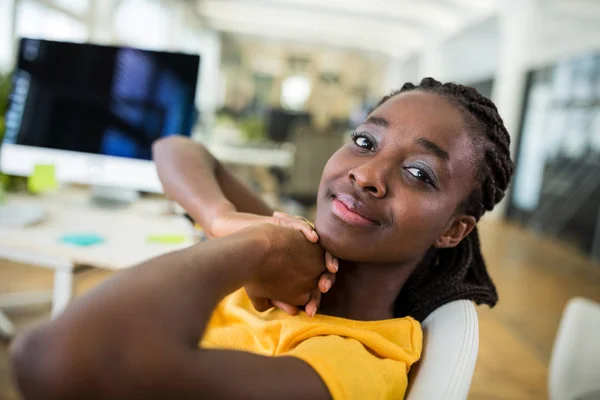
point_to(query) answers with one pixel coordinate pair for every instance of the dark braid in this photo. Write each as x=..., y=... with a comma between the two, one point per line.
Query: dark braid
x=456, y=273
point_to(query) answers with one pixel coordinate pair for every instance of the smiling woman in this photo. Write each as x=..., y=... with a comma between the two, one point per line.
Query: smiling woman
x=394, y=238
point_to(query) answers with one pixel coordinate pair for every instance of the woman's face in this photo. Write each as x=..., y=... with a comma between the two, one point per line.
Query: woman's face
x=393, y=191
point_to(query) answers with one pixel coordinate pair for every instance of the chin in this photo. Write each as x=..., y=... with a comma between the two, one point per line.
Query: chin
x=334, y=238
x=343, y=241
x=343, y=245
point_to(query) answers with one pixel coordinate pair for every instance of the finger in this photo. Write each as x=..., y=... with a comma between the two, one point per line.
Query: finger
x=326, y=281
x=298, y=224
x=331, y=262
x=302, y=226
x=280, y=218
x=289, y=309
x=307, y=230
x=313, y=304
x=261, y=304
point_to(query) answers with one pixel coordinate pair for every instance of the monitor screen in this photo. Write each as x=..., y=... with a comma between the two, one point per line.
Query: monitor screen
x=99, y=99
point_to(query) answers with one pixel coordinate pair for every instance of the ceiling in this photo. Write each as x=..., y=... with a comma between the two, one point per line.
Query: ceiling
x=392, y=27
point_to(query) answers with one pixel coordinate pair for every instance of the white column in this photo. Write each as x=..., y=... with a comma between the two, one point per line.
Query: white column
x=99, y=21
x=7, y=34
x=430, y=62
x=179, y=24
x=207, y=96
x=393, y=75
x=518, y=22
x=401, y=70
x=517, y=26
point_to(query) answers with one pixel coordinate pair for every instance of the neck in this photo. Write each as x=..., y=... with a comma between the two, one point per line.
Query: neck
x=365, y=292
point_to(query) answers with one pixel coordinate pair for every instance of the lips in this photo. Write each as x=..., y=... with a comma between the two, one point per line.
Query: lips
x=352, y=211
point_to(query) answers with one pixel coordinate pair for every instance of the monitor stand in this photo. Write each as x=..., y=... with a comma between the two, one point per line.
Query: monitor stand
x=113, y=197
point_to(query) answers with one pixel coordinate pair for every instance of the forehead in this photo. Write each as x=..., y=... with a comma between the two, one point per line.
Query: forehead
x=416, y=114
x=429, y=113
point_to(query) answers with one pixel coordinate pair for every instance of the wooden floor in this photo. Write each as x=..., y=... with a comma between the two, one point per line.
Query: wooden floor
x=535, y=279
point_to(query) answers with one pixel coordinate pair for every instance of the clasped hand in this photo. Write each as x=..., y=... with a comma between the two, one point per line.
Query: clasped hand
x=299, y=270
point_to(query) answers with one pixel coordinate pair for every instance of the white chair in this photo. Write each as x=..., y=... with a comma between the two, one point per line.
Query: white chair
x=450, y=345
x=575, y=363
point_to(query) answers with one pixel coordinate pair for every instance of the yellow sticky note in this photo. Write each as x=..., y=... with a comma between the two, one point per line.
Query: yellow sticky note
x=43, y=179
x=166, y=239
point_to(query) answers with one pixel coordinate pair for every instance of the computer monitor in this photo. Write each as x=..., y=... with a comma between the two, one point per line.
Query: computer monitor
x=93, y=111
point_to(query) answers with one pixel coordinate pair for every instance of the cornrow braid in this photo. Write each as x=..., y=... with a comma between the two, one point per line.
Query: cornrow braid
x=444, y=275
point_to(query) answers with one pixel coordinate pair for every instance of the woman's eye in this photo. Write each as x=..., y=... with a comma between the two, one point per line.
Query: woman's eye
x=363, y=142
x=420, y=174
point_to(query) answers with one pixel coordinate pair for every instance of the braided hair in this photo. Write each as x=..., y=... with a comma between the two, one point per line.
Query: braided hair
x=444, y=275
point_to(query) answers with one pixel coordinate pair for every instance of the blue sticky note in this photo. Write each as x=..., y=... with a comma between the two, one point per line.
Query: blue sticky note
x=83, y=239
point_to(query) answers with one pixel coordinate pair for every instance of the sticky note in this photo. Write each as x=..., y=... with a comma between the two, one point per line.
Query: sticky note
x=43, y=179
x=166, y=239
x=82, y=239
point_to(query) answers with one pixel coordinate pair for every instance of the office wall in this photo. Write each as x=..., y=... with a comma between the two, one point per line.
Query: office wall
x=564, y=30
x=472, y=55
x=560, y=31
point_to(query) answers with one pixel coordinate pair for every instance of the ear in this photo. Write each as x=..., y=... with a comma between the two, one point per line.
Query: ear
x=460, y=227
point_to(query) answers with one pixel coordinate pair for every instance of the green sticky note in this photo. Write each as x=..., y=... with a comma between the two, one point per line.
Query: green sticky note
x=166, y=239
x=43, y=179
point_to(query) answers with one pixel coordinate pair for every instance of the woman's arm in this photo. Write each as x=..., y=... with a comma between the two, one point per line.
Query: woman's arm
x=136, y=335
x=221, y=203
x=204, y=187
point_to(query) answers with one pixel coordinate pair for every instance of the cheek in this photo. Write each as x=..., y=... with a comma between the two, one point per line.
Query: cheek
x=336, y=166
x=418, y=221
x=336, y=163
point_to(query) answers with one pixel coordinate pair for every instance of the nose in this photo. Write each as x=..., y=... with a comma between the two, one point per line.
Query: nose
x=369, y=178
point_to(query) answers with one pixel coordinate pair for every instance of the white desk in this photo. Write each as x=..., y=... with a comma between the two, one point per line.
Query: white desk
x=69, y=211
x=281, y=156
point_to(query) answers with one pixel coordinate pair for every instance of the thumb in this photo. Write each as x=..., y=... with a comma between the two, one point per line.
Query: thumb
x=261, y=304
x=291, y=310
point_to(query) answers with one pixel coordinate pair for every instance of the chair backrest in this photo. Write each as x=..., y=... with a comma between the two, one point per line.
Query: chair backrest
x=575, y=360
x=450, y=345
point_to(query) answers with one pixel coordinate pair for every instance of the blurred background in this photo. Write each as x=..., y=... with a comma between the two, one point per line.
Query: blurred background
x=273, y=87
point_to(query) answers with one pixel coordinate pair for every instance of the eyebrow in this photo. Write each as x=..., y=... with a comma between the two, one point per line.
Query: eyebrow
x=379, y=121
x=433, y=148
x=424, y=143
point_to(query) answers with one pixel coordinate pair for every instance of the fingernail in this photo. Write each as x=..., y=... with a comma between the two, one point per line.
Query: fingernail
x=336, y=264
x=327, y=286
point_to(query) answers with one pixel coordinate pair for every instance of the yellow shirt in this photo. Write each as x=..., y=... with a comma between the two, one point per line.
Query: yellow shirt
x=356, y=359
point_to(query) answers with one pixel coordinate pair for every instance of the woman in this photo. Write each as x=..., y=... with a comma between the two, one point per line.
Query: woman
x=397, y=206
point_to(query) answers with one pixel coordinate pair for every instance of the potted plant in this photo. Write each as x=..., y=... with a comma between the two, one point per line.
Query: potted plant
x=5, y=84
x=5, y=81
